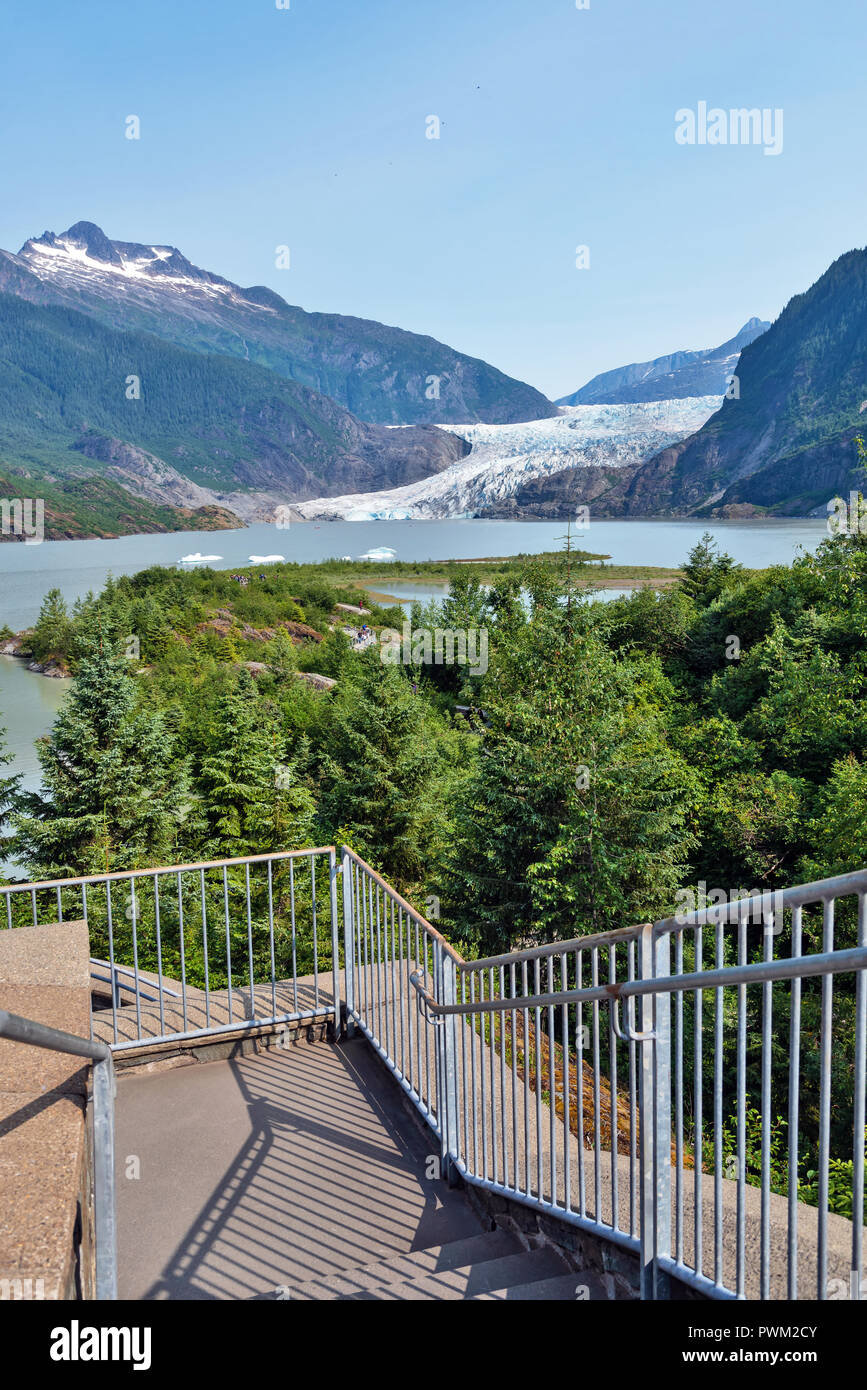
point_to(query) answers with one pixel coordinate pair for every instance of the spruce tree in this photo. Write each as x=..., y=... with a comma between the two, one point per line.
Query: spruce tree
x=252, y=791
x=575, y=820
x=114, y=794
x=8, y=787
x=381, y=772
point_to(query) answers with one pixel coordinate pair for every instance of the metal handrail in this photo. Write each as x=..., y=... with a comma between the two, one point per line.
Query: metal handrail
x=515, y=1101
x=26, y=1030
x=829, y=963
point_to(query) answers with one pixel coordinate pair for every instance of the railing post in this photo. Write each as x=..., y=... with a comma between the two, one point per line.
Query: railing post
x=104, y=1204
x=335, y=942
x=446, y=1034
x=348, y=942
x=655, y=1118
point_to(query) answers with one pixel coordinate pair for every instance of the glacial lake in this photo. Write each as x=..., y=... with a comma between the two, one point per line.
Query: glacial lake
x=27, y=572
x=29, y=702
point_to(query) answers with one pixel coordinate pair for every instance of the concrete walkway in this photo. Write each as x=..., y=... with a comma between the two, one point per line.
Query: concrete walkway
x=270, y=1171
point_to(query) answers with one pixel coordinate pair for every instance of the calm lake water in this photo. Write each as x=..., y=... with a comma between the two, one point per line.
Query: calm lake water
x=28, y=702
x=27, y=572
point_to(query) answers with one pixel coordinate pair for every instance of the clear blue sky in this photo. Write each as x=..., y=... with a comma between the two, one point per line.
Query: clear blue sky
x=307, y=127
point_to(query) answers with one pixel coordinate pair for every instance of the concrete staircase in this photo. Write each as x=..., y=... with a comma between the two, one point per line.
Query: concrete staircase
x=300, y=1175
x=491, y=1265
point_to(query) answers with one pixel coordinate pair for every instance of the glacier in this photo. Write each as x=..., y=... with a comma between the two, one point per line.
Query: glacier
x=504, y=457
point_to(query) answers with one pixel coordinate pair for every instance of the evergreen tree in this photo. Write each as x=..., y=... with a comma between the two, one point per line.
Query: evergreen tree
x=8, y=786
x=253, y=794
x=706, y=571
x=575, y=821
x=382, y=772
x=114, y=795
x=53, y=633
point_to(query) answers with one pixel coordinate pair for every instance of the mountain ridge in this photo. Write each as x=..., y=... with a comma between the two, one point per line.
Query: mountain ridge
x=696, y=372
x=382, y=374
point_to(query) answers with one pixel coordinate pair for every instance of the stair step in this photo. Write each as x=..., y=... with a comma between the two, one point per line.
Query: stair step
x=560, y=1288
x=402, y=1269
x=465, y=1281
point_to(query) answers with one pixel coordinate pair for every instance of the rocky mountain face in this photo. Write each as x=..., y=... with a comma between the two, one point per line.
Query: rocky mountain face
x=787, y=444
x=182, y=429
x=382, y=375
x=701, y=373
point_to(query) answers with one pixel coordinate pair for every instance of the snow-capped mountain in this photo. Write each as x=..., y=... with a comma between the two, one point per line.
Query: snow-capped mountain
x=702, y=372
x=601, y=439
x=382, y=375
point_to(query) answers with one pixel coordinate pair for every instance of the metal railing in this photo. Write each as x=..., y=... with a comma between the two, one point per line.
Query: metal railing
x=226, y=946
x=691, y=1090
x=539, y=1090
x=25, y=1030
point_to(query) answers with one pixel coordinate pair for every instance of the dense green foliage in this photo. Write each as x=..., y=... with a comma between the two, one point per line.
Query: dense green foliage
x=603, y=759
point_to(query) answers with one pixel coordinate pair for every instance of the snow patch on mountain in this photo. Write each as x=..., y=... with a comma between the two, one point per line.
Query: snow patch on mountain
x=504, y=457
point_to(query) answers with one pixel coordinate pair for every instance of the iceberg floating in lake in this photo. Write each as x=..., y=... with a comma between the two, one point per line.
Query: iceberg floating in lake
x=382, y=552
x=199, y=559
x=267, y=560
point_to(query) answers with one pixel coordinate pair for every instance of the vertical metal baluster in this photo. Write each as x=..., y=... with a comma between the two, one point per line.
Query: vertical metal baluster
x=579, y=1083
x=473, y=1040
x=294, y=935
x=698, y=1111
x=33, y=906
x=525, y=1026
x=552, y=1087
x=567, y=1132
x=381, y=1002
x=741, y=1111
x=483, y=1069
x=503, y=1106
x=826, y=1043
x=131, y=882
x=182, y=943
x=59, y=907
x=767, y=1042
x=250, y=941
x=492, y=1055
x=395, y=981
x=112, y=971
x=514, y=1028
x=794, y=1109
x=205, y=951
x=335, y=941
x=615, y=1118
x=412, y=1005
x=358, y=934
x=718, y=1116
x=597, y=1092
x=429, y=977
x=315, y=934
x=537, y=1071
x=419, y=965
x=464, y=1099
x=271, y=937
x=678, y=1101
x=228, y=942
x=859, y=1106
x=403, y=986
x=159, y=951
